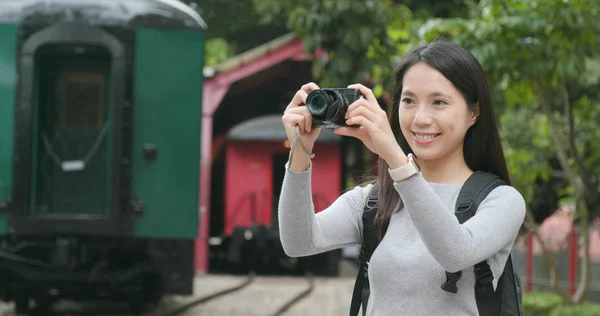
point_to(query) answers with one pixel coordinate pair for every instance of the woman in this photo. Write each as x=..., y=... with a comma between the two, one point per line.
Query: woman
x=442, y=119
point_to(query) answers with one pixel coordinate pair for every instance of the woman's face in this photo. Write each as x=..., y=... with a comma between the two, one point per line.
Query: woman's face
x=434, y=116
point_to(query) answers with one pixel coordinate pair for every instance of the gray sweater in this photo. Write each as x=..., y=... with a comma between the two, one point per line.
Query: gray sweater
x=422, y=241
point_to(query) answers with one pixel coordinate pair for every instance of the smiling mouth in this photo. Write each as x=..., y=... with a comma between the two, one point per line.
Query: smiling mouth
x=425, y=138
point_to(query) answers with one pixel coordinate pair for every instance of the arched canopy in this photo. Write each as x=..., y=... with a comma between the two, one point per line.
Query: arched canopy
x=270, y=128
x=134, y=13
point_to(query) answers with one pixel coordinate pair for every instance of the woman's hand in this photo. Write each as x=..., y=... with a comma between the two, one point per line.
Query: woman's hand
x=375, y=130
x=296, y=115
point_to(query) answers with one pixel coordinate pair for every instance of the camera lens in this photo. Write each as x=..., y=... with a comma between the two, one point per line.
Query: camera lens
x=317, y=102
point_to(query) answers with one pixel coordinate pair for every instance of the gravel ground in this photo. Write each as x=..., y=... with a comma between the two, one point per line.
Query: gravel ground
x=330, y=296
x=267, y=294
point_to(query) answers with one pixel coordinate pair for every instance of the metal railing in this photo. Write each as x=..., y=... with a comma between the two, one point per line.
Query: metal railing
x=532, y=266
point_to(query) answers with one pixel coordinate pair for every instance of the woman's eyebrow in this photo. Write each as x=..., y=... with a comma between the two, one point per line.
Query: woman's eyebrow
x=433, y=94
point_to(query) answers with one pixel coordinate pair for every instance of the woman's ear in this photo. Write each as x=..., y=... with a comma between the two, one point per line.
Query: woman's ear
x=475, y=114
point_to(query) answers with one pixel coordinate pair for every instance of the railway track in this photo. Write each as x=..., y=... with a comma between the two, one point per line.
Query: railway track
x=250, y=279
x=263, y=296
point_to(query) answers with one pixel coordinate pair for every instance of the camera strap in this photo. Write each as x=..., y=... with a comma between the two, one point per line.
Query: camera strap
x=293, y=146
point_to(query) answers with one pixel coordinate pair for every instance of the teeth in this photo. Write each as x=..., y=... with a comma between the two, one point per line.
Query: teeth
x=425, y=137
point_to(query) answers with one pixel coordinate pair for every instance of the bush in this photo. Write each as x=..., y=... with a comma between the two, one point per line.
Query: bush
x=586, y=309
x=551, y=304
x=540, y=303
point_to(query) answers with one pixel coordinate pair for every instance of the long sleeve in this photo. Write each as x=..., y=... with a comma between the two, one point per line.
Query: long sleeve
x=454, y=246
x=305, y=233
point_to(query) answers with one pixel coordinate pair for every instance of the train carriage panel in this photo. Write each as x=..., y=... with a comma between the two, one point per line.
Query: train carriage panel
x=166, y=142
x=255, y=157
x=254, y=176
x=326, y=176
x=247, y=180
x=8, y=83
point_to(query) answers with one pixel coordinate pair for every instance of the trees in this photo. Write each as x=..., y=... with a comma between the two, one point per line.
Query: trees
x=234, y=27
x=358, y=35
x=362, y=37
x=544, y=58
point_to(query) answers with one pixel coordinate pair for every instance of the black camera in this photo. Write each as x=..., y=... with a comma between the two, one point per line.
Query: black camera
x=328, y=106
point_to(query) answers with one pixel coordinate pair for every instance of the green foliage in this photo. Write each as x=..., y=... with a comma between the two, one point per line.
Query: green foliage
x=517, y=142
x=426, y=9
x=540, y=303
x=545, y=39
x=587, y=117
x=362, y=38
x=521, y=41
x=237, y=24
x=217, y=50
x=551, y=304
x=357, y=34
x=585, y=309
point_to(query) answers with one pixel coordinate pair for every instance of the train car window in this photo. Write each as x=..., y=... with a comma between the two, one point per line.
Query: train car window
x=82, y=99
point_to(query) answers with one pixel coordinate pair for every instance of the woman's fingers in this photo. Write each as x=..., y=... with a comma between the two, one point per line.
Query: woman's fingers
x=298, y=99
x=362, y=121
x=302, y=110
x=361, y=110
x=366, y=92
x=368, y=100
x=291, y=120
x=300, y=96
x=359, y=133
x=309, y=87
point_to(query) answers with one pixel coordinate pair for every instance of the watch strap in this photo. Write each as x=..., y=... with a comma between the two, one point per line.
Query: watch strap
x=405, y=172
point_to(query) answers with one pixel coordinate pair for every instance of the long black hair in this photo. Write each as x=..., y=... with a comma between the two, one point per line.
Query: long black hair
x=482, y=146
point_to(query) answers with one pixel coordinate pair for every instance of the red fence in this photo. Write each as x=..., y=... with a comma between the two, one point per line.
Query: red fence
x=565, y=241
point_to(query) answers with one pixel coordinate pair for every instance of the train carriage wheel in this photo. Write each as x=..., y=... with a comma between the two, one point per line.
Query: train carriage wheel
x=153, y=290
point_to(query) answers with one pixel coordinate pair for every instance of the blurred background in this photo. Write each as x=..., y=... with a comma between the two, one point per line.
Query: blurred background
x=142, y=151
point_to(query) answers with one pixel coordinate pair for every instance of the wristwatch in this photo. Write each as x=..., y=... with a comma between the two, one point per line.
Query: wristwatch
x=405, y=172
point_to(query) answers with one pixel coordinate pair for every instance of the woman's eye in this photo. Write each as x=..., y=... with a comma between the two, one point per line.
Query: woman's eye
x=407, y=100
x=440, y=102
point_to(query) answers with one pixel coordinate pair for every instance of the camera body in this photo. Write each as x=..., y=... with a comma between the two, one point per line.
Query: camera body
x=328, y=106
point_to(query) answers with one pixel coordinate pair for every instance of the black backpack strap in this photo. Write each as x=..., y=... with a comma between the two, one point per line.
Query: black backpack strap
x=509, y=296
x=360, y=294
x=472, y=193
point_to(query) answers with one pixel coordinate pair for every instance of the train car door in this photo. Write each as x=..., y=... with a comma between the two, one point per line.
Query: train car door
x=68, y=121
x=72, y=130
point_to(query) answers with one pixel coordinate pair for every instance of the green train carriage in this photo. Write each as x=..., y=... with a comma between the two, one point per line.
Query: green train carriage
x=100, y=112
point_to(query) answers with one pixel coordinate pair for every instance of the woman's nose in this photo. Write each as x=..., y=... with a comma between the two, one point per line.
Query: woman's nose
x=422, y=117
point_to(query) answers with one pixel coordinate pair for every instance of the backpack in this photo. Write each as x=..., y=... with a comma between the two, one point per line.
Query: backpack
x=505, y=301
